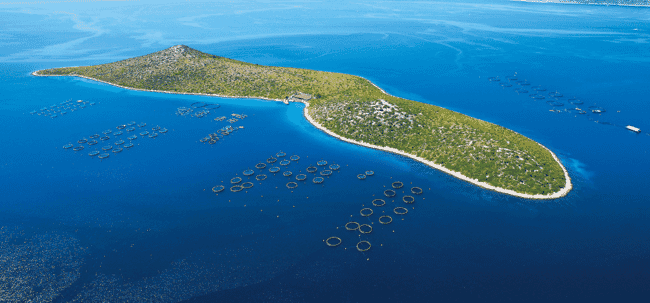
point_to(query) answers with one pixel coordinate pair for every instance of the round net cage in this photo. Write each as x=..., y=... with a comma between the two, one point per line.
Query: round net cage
x=335, y=166
x=378, y=202
x=218, y=189
x=248, y=172
x=198, y=104
x=95, y=136
x=120, y=142
x=318, y=180
x=385, y=220
x=153, y=135
x=494, y=79
x=369, y=173
x=260, y=165
x=312, y=169
x=235, y=180
x=260, y=177
x=274, y=169
x=67, y=146
x=236, y=188
x=93, y=153
x=287, y=173
x=117, y=150
x=123, y=126
x=352, y=226
x=294, y=158
x=118, y=133
x=400, y=210
x=366, y=212
x=82, y=141
x=521, y=91
x=321, y=163
x=506, y=84
x=285, y=162
x=164, y=130
x=365, y=228
x=408, y=199
x=397, y=184
x=130, y=129
x=389, y=193
x=280, y=154
x=144, y=133
x=247, y=184
x=326, y=172
x=128, y=145
x=416, y=190
x=106, y=132
x=271, y=160
x=301, y=177
x=104, y=156
x=292, y=185
x=107, y=147
x=363, y=246
x=142, y=124
x=361, y=176
x=104, y=138
x=212, y=106
x=333, y=241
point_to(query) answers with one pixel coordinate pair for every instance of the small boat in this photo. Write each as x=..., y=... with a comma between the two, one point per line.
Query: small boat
x=634, y=129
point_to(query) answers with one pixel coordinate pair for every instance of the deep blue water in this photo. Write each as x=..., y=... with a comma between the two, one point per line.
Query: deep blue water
x=144, y=226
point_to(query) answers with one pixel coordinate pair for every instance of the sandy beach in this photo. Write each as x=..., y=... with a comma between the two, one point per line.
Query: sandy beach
x=563, y=192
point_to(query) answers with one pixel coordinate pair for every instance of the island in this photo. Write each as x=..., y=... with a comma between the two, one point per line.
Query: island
x=354, y=110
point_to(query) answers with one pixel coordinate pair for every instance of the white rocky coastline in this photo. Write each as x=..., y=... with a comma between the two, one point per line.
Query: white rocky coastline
x=563, y=192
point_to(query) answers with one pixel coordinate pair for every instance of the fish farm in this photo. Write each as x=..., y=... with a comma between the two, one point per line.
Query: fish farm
x=62, y=108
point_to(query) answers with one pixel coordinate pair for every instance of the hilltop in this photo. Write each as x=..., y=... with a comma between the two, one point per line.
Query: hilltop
x=353, y=108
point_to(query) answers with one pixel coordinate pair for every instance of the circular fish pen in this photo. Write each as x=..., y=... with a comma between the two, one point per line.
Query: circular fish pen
x=205, y=139
x=397, y=184
x=128, y=145
x=521, y=91
x=104, y=138
x=321, y=163
x=131, y=123
x=312, y=169
x=144, y=133
x=523, y=83
x=280, y=154
x=274, y=169
x=285, y=162
x=248, y=172
x=123, y=126
x=164, y=130
x=95, y=136
x=155, y=128
x=352, y=226
x=335, y=166
x=247, y=185
x=119, y=142
x=408, y=199
x=370, y=173
x=366, y=212
x=292, y=185
x=494, y=79
x=117, y=150
x=218, y=188
x=118, y=133
x=271, y=160
x=326, y=172
x=287, y=173
x=385, y=219
x=260, y=165
x=93, y=153
x=198, y=104
x=390, y=193
x=78, y=148
x=130, y=129
x=236, y=188
x=378, y=202
x=107, y=147
x=363, y=246
x=301, y=177
x=260, y=177
x=416, y=190
x=294, y=158
x=67, y=146
x=104, y=156
x=365, y=228
x=212, y=106
x=82, y=141
x=361, y=176
x=333, y=241
x=318, y=180
x=142, y=124
x=235, y=180
x=506, y=84
x=153, y=135
x=106, y=132
x=400, y=210
x=537, y=96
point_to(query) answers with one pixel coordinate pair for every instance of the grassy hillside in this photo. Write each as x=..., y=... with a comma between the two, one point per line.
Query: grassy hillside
x=351, y=107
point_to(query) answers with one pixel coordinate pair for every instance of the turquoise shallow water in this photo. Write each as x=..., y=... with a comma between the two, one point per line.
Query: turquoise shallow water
x=143, y=225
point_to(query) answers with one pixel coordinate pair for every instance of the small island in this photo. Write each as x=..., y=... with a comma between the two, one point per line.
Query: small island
x=354, y=110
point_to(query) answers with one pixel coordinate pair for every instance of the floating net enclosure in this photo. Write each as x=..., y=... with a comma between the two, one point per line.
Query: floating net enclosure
x=274, y=169
x=378, y=202
x=93, y=153
x=408, y=199
x=287, y=173
x=294, y=158
x=326, y=172
x=117, y=150
x=385, y=219
x=365, y=228
x=285, y=162
x=248, y=172
x=312, y=169
x=416, y=190
x=318, y=180
x=280, y=154
x=128, y=145
x=292, y=185
x=247, y=184
x=335, y=166
x=390, y=193
x=103, y=156
x=363, y=246
x=321, y=163
x=361, y=176
x=67, y=146
x=107, y=147
x=400, y=210
x=271, y=160
x=397, y=184
x=301, y=177
x=260, y=177
x=218, y=188
x=333, y=241
x=352, y=226
x=366, y=212
x=235, y=180
x=260, y=165
x=212, y=106
x=78, y=148
x=82, y=141
x=494, y=79
x=370, y=173
x=236, y=188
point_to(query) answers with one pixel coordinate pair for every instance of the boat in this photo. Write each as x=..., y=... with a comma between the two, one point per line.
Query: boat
x=285, y=101
x=634, y=129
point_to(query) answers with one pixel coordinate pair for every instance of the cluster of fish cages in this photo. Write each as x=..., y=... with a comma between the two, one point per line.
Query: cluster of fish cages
x=236, y=117
x=555, y=99
x=119, y=144
x=221, y=133
x=62, y=108
x=380, y=211
x=366, y=174
x=278, y=165
x=196, y=109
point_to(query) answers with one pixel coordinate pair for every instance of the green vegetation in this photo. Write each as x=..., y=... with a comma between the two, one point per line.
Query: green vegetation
x=353, y=108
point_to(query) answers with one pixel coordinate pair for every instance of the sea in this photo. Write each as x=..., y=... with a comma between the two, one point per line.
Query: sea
x=145, y=225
